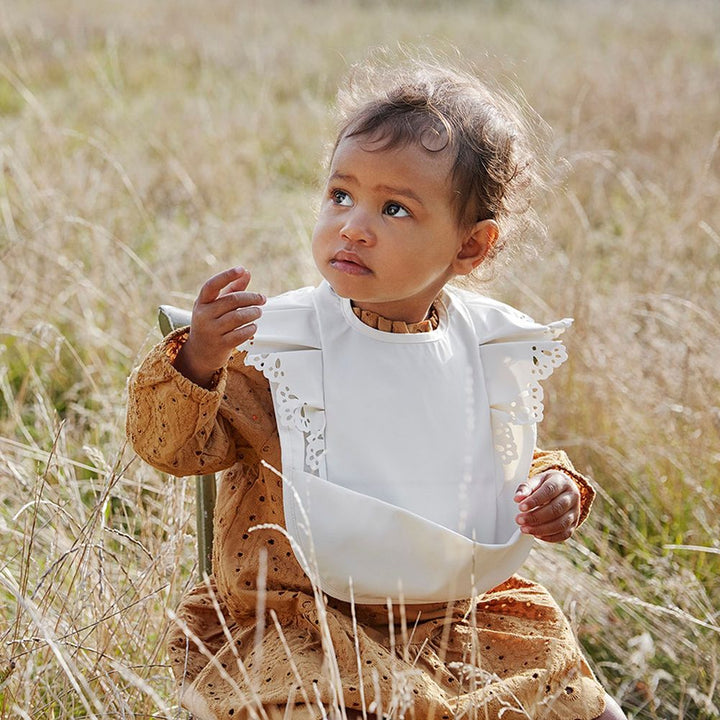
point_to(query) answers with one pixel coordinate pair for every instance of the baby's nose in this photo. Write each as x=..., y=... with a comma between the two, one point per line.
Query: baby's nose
x=358, y=227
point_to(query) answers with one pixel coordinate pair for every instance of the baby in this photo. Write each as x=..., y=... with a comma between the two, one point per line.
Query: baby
x=381, y=483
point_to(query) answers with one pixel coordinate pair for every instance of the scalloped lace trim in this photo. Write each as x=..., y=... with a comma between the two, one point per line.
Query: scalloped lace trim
x=546, y=356
x=292, y=412
x=528, y=408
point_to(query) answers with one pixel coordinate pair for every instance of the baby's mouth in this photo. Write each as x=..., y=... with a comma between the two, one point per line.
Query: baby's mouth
x=349, y=263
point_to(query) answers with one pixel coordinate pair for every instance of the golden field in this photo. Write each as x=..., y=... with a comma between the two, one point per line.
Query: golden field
x=147, y=145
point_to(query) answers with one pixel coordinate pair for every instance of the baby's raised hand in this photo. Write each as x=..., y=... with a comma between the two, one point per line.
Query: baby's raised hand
x=222, y=318
x=549, y=506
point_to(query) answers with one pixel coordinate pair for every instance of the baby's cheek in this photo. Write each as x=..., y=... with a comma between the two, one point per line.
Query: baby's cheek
x=319, y=244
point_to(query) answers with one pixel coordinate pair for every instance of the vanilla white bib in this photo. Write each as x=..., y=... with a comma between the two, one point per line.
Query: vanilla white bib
x=401, y=453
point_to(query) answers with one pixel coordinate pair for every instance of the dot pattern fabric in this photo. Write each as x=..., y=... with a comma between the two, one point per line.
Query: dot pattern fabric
x=256, y=640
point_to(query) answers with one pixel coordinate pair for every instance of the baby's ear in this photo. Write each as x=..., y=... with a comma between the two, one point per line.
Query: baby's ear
x=477, y=244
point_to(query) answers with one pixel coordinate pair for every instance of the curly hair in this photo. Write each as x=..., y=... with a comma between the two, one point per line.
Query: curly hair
x=496, y=167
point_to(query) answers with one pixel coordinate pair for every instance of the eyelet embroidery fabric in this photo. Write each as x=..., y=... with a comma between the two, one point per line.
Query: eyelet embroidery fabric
x=528, y=408
x=291, y=410
x=505, y=444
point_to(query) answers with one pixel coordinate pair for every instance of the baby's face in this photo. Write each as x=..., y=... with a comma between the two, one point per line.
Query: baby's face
x=387, y=236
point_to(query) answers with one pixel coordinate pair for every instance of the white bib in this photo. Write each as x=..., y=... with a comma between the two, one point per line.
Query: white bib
x=402, y=452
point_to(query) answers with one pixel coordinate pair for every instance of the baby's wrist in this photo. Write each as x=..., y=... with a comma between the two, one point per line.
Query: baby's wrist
x=186, y=363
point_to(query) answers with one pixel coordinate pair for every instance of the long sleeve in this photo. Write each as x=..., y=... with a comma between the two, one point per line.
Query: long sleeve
x=544, y=460
x=184, y=429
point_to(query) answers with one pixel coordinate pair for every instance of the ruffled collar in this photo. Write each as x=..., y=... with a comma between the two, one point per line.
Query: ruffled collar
x=378, y=322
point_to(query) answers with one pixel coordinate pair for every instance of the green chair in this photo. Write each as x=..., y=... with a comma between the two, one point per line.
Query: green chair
x=171, y=318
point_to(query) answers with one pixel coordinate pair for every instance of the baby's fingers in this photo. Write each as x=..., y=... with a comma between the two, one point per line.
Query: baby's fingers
x=235, y=319
x=525, y=489
x=214, y=287
x=235, y=301
x=239, y=335
x=555, y=537
x=546, y=487
x=237, y=285
x=556, y=530
x=563, y=509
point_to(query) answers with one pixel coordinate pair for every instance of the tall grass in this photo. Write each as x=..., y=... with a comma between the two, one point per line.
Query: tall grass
x=146, y=145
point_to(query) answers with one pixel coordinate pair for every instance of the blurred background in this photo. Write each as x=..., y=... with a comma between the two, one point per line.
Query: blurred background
x=147, y=145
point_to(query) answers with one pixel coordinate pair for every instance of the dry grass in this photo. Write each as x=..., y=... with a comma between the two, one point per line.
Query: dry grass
x=146, y=145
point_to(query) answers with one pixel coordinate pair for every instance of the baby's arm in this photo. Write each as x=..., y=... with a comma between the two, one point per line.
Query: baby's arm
x=555, y=499
x=179, y=426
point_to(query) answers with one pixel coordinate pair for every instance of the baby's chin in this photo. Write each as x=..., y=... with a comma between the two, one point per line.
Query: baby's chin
x=338, y=289
x=344, y=294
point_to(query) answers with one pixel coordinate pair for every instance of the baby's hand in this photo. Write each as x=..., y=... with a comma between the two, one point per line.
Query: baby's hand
x=549, y=506
x=222, y=318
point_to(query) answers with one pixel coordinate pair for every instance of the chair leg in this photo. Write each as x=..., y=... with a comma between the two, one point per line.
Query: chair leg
x=205, y=495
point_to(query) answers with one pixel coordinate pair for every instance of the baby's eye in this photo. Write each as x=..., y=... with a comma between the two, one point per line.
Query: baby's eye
x=340, y=197
x=396, y=210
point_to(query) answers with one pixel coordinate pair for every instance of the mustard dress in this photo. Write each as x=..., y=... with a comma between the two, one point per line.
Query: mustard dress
x=256, y=640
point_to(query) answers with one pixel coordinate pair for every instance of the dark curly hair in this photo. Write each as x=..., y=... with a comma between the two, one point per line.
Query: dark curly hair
x=496, y=170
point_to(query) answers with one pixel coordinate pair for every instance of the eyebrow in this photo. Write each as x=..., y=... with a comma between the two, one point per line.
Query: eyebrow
x=390, y=189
